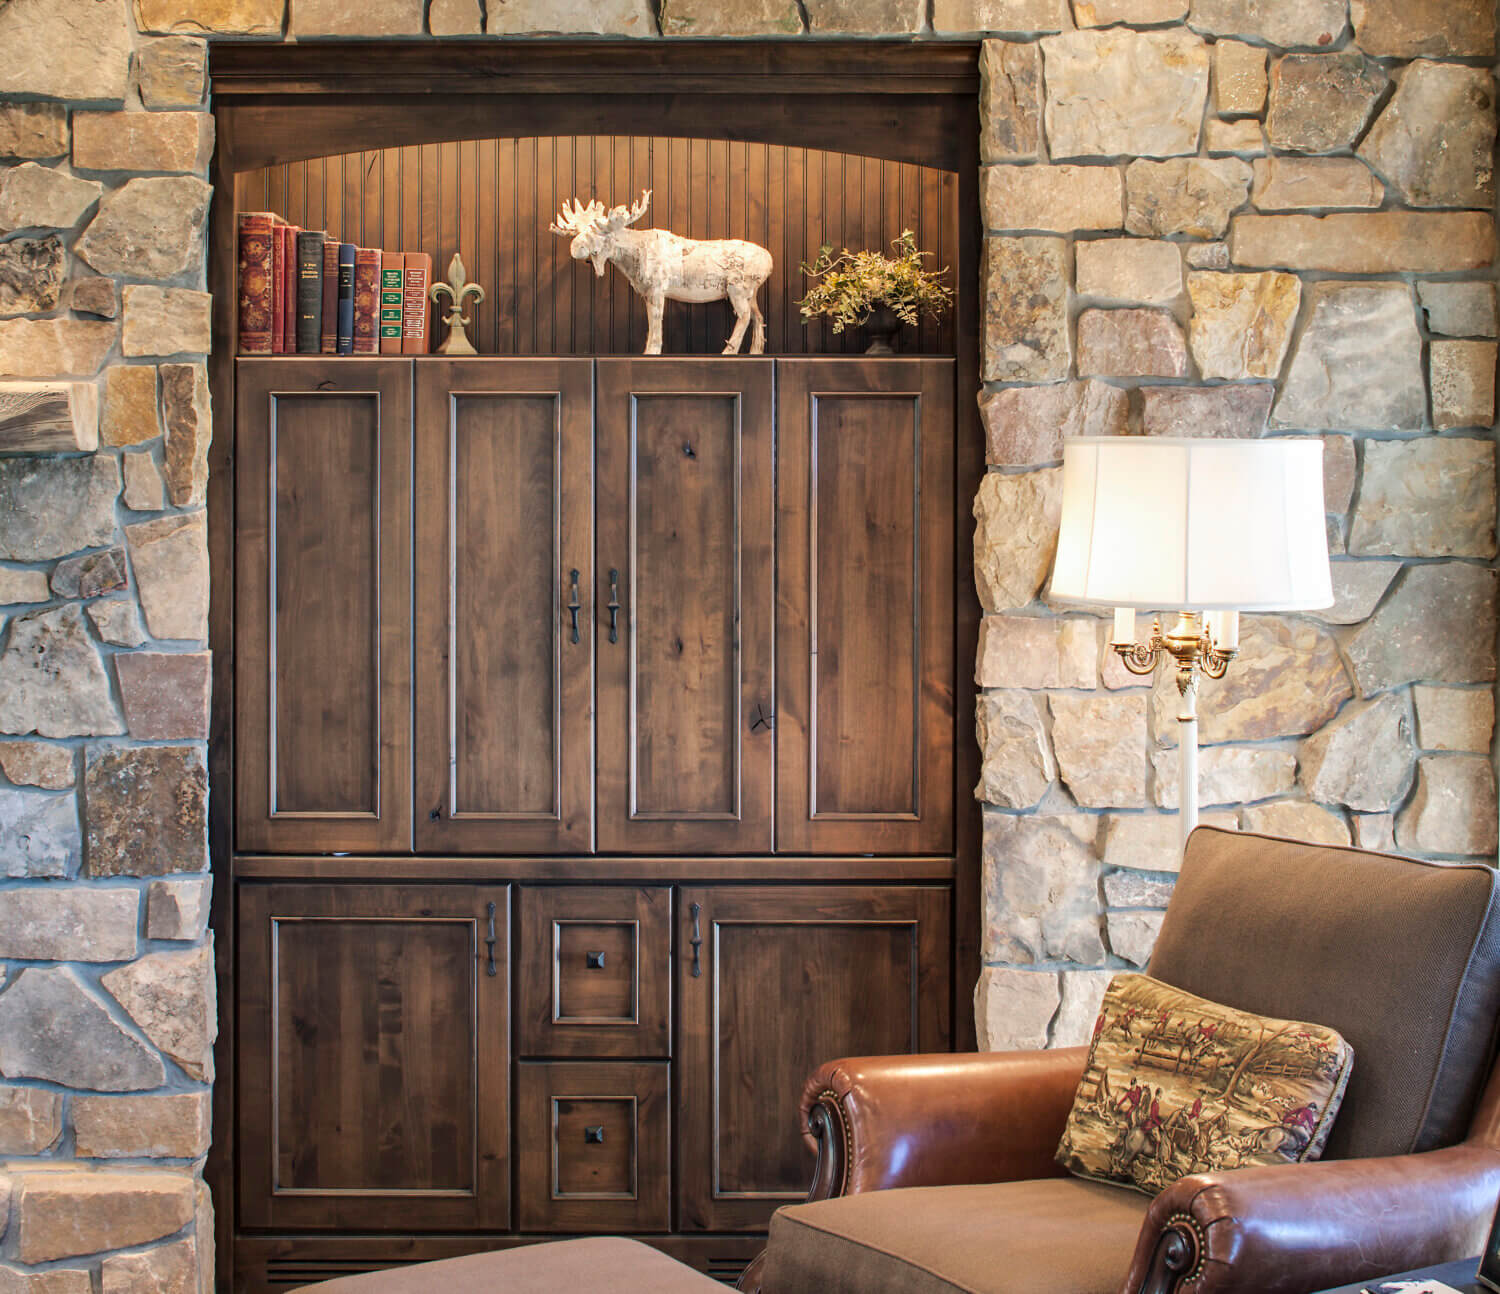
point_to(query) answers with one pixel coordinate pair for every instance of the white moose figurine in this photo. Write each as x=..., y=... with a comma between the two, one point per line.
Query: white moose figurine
x=662, y=266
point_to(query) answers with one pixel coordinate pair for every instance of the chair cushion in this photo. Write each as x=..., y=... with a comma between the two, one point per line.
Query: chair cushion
x=1059, y=1235
x=1401, y=957
x=1176, y=1084
x=562, y=1267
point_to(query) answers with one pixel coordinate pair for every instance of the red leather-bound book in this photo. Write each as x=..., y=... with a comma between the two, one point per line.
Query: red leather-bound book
x=278, y=286
x=414, y=310
x=367, y=301
x=257, y=261
x=330, y=338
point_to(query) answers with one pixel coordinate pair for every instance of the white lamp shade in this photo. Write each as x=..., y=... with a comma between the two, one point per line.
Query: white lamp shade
x=1179, y=524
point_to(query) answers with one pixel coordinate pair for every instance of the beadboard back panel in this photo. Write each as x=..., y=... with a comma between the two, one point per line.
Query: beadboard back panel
x=492, y=200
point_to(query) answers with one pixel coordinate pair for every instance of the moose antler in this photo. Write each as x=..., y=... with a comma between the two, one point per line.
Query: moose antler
x=619, y=217
x=576, y=219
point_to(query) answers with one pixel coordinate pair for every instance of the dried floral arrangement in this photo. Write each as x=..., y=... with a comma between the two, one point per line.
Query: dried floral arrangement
x=850, y=285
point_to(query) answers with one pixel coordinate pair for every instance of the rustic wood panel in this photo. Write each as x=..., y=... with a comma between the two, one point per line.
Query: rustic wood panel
x=492, y=200
x=373, y=1047
x=593, y=1147
x=323, y=579
x=788, y=979
x=685, y=517
x=865, y=667
x=504, y=515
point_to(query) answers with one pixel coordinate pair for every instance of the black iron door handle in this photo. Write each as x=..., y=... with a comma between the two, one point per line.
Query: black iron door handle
x=697, y=941
x=614, y=605
x=489, y=943
x=573, y=603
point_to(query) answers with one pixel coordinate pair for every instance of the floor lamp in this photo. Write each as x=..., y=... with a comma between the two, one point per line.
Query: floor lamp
x=1210, y=527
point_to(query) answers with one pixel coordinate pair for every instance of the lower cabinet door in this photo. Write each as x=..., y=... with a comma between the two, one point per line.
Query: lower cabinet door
x=772, y=982
x=593, y=1144
x=373, y=1072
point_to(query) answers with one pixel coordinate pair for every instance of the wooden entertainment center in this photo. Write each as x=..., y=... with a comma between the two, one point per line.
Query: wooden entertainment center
x=600, y=751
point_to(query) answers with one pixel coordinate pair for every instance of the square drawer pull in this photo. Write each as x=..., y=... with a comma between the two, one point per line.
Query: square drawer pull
x=593, y=1136
x=594, y=961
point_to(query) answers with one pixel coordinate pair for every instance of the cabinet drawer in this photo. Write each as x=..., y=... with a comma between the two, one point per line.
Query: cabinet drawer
x=594, y=971
x=592, y=1146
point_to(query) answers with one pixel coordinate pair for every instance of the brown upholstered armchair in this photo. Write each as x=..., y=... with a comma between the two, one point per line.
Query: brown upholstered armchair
x=935, y=1173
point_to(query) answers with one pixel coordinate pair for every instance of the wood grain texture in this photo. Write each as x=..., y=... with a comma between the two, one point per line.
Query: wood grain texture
x=48, y=417
x=790, y=978
x=323, y=584
x=374, y=1062
x=686, y=461
x=567, y=1007
x=504, y=515
x=593, y=1147
x=492, y=200
x=865, y=597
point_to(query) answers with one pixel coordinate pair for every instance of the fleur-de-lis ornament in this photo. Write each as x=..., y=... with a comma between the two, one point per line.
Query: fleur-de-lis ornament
x=458, y=291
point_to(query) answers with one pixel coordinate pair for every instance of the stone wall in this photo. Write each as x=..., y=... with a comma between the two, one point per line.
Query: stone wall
x=1117, y=163
x=1233, y=218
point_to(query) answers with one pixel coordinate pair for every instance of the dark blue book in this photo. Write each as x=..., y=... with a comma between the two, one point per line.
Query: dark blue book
x=346, y=298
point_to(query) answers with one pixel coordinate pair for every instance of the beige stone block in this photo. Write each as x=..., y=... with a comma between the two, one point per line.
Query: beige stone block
x=145, y=491
x=1314, y=23
x=1424, y=28
x=1024, y=330
x=1100, y=745
x=1016, y=536
x=587, y=17
x=150, y=228
x=1297, y=183
x=63, y=1214
x=1228, y=774
x=176, y=142
x=1010, y=100
x=1131, y=343
x=1297, y=820
x=865, y=17
x=1373, y=242
x=1017, y=763
x=166, y=1125
x=166, y=321
x=1083, y=992
x=1136, y=13
x=1041, y=889
x=65, y=49
x=1058, y=198
x=199, y=17
x=458, y=18
x=68, y=923
x=30, y=1119
x=1363, y=759
x=50, y=507
x=96, y=296
x=1132, y=935
x=170, y=560
x=1340, y=472
x=712, y=18
x=1038, y=652
x=170, y=995
x=22, y=586
x=1129, y=269
x=1239, y=78
x=1184, y=195
x=1435, y=140
x=1208, y=256
x=1454, y=718
x=1124, y=93
x=117, y=621
x=90, y=574
x=962, y=16
x=130, y=413
x=1242, y=136
x=53, y=348
x=1013, y=1008
x=1433, y=497
x=178, y=907
x=1025, y=426
x=1357, y=590
x=1320, y=103
x=59, y=1031
x=1242, y=323
x=1462, y=374
x=1227, y=411
x=173, y=72
x=1149, y=842
x=165, y=694
x=165, y=1269
x=189, y=425
x=38, y=763
x=1437, y=626
x=33, y=130
x=356, y=18
x=1453, y=810
x=1460, y=309
x=1375, y=831
x=49, y=1280
x=51, y=680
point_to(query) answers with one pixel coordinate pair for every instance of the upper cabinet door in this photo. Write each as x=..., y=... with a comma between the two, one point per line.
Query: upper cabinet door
x=504, y=671
x=322, y=605
x=865, y=585
x=684, y=605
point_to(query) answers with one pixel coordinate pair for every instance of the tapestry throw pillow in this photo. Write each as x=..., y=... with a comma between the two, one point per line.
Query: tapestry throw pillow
x=1176, y=1084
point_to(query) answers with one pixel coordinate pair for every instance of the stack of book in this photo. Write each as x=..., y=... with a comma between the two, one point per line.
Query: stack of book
x=303, y=293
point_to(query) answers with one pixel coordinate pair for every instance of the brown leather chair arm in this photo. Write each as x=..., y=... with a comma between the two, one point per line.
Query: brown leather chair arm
x=879, y=1122
x=1296, y=1228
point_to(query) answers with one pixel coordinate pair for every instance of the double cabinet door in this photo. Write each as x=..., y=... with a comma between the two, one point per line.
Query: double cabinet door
x=495, y=606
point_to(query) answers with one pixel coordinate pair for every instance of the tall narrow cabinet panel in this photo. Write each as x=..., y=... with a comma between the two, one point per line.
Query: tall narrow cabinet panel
x=504, y=675
x=685, y=605
x=773, y=982
x=865, y=659
x=322, y=619
x=374, y=1065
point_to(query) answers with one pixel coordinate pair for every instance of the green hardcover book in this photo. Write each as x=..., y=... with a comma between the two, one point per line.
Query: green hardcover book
x=392, y=292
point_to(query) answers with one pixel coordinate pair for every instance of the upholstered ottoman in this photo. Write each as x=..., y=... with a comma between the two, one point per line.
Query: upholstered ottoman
x=605, y=1265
